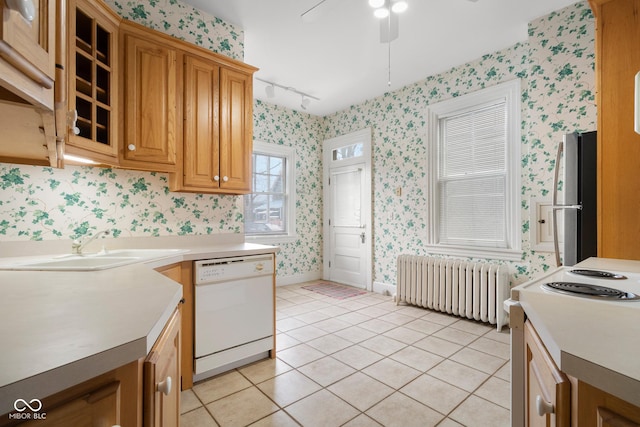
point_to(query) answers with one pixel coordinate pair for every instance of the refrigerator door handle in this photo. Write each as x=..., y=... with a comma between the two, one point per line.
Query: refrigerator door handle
x=554, y=202
x=560, y=207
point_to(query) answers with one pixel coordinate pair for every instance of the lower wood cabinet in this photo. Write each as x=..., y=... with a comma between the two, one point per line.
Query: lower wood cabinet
x=596, y=408
x=99, y=407
x=113, y=398
x=554, y=399
x=162, y=378
x=547, y=389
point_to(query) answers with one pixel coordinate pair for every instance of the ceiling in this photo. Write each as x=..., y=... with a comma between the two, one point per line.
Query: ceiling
x=338, y=58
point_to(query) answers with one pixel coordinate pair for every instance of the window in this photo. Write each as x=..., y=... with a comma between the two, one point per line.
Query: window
x=269, y=212
x=474, y=158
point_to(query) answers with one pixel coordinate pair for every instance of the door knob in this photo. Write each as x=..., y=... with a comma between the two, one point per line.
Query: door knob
x=225, y=178
x=362, y=236
x=216, y=178
x=131, y=147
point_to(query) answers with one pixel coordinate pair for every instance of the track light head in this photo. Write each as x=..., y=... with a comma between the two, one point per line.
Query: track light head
x=304, y=103
x=270, y=91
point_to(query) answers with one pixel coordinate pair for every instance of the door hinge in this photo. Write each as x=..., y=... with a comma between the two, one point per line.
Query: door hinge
x=329, y=264
x=329, y=179
x=329, y=221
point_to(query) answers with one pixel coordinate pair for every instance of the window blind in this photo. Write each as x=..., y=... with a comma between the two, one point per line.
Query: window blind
x=472, y=177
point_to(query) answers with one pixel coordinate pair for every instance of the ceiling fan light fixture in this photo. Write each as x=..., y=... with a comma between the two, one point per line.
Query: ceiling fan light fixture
x=376, y=3
x=399, y=6
x=381, y=13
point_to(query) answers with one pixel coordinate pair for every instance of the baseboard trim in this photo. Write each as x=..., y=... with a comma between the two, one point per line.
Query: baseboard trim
x=298, y=278
x=384, y=288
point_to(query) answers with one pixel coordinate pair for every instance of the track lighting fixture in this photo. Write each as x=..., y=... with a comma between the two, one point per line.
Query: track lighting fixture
x=270, y=91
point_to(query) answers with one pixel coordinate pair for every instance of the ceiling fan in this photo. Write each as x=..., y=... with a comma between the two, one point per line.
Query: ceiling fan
x=385, y=10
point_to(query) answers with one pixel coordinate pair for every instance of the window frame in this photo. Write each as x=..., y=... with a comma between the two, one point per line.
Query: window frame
x=289, y=153
x=510, y=92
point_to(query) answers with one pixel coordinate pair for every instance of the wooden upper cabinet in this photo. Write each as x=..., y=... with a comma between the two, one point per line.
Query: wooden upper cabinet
x=218, y=127
x=92, y=64
x=201, y=132
x=27, y=51
x=617, y=62
x=150, y=77
x=236, y=130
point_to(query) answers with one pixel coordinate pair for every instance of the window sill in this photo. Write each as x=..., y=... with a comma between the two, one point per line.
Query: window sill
x=483, y=253
x=274, y=239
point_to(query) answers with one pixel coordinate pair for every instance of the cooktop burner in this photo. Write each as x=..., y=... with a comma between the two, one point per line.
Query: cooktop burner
x=590, y=291
x=597, y=274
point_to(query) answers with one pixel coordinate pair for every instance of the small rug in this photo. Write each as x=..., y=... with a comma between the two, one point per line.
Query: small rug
x=335, y=290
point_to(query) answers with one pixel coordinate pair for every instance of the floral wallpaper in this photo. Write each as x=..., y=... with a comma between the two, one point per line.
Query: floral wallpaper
x=182, y=21
x=278, y=125
x=45, y=203
x=555, y=65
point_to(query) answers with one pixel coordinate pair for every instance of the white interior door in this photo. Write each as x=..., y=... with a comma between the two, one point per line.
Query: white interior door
x=347, y=209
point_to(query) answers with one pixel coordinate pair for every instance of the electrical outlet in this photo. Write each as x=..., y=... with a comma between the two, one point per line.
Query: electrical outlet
x=398, y=191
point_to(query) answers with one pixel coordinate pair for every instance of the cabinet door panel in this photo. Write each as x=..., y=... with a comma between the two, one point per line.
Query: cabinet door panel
x=92, y=65
x=162, y=378
x=201, y=124
x=545, y=385
x=32, y=41
x=236, y=130
x=151, y=103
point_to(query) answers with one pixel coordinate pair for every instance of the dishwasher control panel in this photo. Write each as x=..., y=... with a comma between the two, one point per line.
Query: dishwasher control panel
x=225, y=269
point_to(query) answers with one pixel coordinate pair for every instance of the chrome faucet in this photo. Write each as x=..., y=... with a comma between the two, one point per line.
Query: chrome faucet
x=78, y=244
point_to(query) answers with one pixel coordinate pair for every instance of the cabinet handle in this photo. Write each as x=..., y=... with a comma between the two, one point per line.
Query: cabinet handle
x=26, y=8
x=72, y=121
x=543, y=407
x=216, y=178
x=165, y=386
x=131, y=147
x=225, y=178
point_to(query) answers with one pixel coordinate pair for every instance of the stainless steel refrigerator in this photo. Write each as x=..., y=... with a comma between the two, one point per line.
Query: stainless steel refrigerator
x=580, y=205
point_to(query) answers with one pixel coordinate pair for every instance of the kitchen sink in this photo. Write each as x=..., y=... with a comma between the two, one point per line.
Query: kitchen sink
x=89, y=262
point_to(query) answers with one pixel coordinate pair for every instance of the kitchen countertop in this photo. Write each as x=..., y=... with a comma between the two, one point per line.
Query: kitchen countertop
x=593, y=341
x=62, y=327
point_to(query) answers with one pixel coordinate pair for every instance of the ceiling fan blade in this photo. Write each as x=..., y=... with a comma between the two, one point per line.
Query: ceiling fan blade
x=319, y=9
x=389, y=28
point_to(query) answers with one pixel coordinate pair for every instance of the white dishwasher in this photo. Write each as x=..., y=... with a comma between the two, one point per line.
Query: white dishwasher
x=234, y=319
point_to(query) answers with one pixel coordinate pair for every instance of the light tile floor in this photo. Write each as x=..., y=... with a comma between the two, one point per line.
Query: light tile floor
x=362, y=361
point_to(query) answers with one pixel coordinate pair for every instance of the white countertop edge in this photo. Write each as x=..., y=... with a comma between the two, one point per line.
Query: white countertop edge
x=59, y=379
x=600, y=377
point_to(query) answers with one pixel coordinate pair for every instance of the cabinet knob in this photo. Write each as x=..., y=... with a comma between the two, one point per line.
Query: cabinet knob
x=131, y=147
x=543, y=407
x=26, y=8
x=164, y=387
x=216, y=178
x=225, y=178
